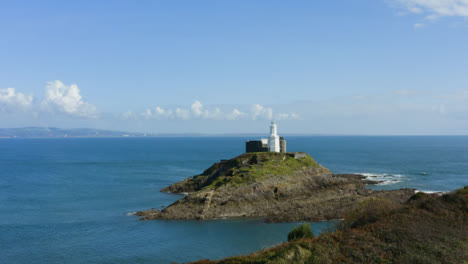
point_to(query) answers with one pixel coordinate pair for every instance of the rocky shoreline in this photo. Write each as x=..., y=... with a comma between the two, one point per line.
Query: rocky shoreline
x=272, y=186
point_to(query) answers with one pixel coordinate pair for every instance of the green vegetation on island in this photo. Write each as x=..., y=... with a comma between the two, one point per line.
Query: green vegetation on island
x=245, y=169
x=258, y=166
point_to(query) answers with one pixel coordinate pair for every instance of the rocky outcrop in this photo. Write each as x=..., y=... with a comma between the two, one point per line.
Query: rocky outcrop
x=276, y=187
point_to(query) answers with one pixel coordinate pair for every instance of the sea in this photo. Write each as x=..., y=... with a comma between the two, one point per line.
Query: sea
x=72, y=200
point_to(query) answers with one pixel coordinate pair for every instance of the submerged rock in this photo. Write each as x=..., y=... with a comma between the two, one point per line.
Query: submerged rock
x=279, y=187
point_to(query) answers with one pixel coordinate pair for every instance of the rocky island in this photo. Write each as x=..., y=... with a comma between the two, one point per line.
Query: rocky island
x=277, y=187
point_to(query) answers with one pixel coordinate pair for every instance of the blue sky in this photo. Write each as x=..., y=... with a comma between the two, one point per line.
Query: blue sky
x=334, y=67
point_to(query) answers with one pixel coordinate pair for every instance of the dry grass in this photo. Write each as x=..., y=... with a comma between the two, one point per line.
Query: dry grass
x=427, y=229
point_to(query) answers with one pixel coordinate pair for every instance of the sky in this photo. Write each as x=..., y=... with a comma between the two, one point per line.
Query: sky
x=361, y=67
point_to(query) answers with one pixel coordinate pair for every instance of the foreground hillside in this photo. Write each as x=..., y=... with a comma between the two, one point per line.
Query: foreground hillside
x=278, y=187
x=426, y=229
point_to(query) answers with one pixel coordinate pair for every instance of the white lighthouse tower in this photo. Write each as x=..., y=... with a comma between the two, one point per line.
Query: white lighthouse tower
x=274, y=141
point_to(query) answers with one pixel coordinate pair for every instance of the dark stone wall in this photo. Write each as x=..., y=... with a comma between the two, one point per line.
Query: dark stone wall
x=255, y=146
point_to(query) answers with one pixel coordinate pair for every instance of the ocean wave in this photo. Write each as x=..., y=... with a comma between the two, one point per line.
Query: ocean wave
x=419, y=173
x=131, y=213
x=384, y=178
x=424, y=191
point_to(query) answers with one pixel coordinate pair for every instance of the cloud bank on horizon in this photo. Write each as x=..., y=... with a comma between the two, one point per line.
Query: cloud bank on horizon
x=11, y=101
x=198, y=111
x=67, y=100
x=58, y=98
x=406, y=108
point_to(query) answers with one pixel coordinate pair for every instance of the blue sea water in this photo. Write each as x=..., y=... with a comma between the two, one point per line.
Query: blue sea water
x=70, y=200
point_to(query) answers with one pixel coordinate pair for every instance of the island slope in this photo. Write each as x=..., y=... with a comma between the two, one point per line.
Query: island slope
x=278, y=187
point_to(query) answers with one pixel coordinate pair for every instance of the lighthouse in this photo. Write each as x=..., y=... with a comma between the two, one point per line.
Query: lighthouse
x=274, y=140
x=273, y=143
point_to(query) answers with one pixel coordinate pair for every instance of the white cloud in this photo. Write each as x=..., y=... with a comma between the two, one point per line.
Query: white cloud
x=215, y=114
x=285, y=116
x=418, y=25
x=198, y=111
x=147, y=114
x=58, y=98
x=159, y=111
x=67, y=99
x=182, y=113
x=11, y=101
x=414, y=9
x=434, y=9
x=197, y=108
x=235, y=114
x=259, y=111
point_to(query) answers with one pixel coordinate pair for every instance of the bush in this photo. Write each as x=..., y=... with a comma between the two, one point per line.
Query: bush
x=301, y=231
x=368, y=212
x=463, y=191
x=418, y=196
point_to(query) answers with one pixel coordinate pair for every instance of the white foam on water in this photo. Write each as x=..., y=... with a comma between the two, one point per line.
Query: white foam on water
x=131, y=213
x=384, y=178
x=424, y=191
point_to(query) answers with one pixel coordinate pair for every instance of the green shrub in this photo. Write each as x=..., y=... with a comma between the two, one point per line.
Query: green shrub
x=368, y=212
x=463, y=191
x=301, y=231
x=418, y=196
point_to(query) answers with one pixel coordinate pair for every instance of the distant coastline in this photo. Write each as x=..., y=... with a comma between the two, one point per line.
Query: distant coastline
x=54, y=132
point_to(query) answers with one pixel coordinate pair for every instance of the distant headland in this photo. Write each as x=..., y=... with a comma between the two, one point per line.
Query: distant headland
x=55, y=132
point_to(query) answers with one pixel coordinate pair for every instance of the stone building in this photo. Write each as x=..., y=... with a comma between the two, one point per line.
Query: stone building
x=274, y=143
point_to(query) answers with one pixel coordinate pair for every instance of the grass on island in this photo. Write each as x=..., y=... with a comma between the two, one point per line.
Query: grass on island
x=252, y=167
x=427, y=229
